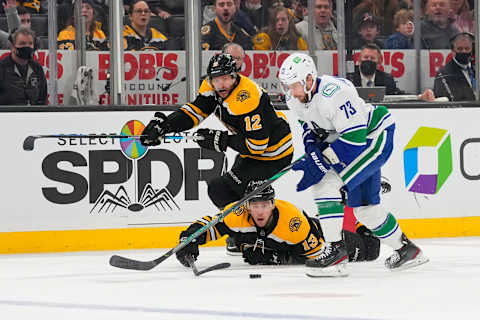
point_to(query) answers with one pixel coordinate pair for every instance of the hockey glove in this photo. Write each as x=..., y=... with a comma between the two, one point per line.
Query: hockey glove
x=213, y=139
x=257, y=255
x=312, y=139
x=355, y=246
x=314, y=169
x=372, y=243
x=190, y=249
x=154, y=131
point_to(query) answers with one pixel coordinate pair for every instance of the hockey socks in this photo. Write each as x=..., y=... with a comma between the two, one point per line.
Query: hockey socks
x=330, y=214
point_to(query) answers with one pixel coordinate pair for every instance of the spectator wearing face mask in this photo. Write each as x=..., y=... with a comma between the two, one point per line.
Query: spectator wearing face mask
x=456, y=80
x=22, y=79
x=367, y=74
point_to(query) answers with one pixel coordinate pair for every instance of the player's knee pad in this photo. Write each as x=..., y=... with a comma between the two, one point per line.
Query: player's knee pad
x=371, y=216
x=220, y=192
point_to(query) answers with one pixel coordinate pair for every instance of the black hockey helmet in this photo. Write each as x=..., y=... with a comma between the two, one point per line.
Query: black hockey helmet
x=221, y=64
x=266, y=194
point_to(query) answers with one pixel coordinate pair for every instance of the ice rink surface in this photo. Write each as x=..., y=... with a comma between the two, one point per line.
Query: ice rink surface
x=83, y=286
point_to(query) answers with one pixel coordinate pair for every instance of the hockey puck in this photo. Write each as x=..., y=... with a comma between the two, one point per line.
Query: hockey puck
x=255, y=275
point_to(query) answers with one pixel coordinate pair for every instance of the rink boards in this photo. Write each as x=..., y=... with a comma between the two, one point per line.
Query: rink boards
x=103, y=194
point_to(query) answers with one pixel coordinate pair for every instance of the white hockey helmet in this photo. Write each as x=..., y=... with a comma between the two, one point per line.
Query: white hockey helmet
x=296, y=68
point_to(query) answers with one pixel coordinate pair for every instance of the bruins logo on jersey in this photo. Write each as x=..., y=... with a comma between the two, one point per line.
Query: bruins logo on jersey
x=205, y=30
x=243, y=95
x=295, y=224
x=240, y=211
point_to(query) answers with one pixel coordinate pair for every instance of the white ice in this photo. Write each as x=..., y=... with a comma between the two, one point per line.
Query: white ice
x=84, y=286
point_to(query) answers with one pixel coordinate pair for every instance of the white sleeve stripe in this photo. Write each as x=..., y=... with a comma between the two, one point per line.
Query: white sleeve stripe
x=256, y=147
x=190, y=110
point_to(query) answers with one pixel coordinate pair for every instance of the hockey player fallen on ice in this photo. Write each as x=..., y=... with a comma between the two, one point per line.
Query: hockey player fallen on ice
x=272, y=232
x=261, y=137
x=347, y=141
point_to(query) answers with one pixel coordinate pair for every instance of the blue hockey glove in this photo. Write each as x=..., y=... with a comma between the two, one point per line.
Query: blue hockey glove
x=314, y=169
x=313, y=139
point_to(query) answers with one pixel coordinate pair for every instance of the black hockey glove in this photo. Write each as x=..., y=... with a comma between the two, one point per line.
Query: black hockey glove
x=213, y=139
x=257, y=255
x=190, y=249
x=155, y=130
x=355, y=246
x=372, y=243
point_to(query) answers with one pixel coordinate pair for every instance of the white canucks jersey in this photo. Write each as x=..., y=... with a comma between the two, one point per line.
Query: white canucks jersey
x=350, y=121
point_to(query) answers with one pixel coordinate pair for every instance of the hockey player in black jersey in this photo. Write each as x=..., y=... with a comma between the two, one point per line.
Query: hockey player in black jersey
x=273, y=232
x=261, y=137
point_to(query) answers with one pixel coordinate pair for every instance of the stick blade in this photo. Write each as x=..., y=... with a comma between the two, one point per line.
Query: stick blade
x=29, y=143
x=126, y=263
x=219, y=266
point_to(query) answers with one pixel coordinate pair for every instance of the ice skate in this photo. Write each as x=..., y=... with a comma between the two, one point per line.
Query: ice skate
x=406, y=257
x=332, y=261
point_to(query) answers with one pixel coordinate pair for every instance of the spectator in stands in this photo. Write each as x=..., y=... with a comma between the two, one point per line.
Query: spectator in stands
x=456, y=80
x=13, y=22
x=221, y=30
x=242, y=20
x=325, y=33
x=367, y=74
x=25, y=17
x=298, y=10
x=96, y=38
x=402, y=39
x=437, y=27
x=281, y=33
x=32, y=6
x=237, y=53
x=462, y=15
x=137, y=35
x=22, y=79
x=257, y=11
x=367, y=33
x=374, y=8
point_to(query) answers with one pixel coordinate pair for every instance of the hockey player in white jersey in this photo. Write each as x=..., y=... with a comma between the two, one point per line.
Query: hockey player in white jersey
x=359, y=140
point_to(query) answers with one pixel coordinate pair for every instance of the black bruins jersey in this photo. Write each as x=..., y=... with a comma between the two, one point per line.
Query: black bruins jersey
x=259, y=132
x=95, y=42
x=214, y=37
x=291, y=232
x=31, y=6
x=154, y=40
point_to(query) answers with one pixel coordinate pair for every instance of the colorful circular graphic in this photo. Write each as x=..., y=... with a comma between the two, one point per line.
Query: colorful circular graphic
x=132, y=147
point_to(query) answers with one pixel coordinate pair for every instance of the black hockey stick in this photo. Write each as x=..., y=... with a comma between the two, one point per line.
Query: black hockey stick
x=218, y=266
x=29, y=142
x=127, y=263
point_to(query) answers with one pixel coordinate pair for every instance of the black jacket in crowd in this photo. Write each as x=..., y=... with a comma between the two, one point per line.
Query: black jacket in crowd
x=382, y=79
x=18, y=90
x=450, y=82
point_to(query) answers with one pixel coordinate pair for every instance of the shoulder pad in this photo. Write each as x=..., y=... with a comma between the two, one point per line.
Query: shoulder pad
x=245, y=97
x=206, y=88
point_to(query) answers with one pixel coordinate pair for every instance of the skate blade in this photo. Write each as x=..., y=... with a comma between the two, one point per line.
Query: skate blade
x=419, y=260
x=339, y=270
x=235, y=254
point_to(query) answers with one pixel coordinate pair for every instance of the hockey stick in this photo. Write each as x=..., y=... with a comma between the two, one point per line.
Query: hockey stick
x=127, y=263
x=29, y=142
x=218, y=266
